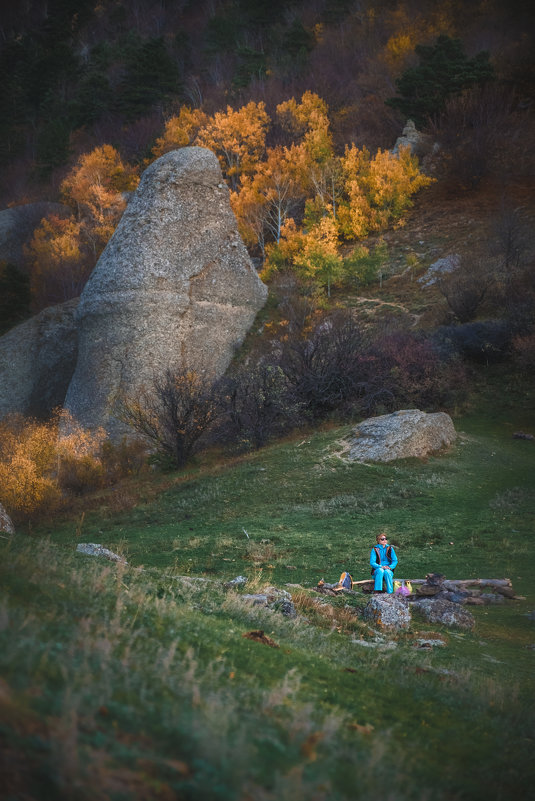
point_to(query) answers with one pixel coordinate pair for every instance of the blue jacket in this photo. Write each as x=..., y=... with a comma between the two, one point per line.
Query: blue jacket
x=385, y=562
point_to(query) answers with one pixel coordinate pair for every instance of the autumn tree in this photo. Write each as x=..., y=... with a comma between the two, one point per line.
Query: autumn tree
x=319, y=260
x=180, y=130
x=59, y=267
x=237, y=137
x=378, y=189
x=95, y=187
x=309, y=122
x=63, y=251
x=38, y=468
x=266, y=199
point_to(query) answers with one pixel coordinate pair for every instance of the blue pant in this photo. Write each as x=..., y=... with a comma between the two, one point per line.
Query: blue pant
x=380, y=573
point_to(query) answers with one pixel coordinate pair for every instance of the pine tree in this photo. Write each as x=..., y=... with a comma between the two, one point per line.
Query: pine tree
x=444, y=71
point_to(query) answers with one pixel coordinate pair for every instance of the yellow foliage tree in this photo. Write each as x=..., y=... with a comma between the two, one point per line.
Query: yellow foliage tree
x=312, y=253
x=267, y=198
x=37, y=466
x=378, y=190
x=180, y=131
x=318, y=259
x=95, y=188
x=237, y=137
x=58, y=268
x=63, y=252
x=308, y=120
x=26, y=462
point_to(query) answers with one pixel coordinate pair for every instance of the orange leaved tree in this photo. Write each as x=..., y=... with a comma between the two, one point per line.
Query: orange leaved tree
x=96, y=189
x=180, y=130
x=378, y=189
x=63, y=252
x=237, y=137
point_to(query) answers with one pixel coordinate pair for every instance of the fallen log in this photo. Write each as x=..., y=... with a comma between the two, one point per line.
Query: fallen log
x=502, y=586
x=434, y=584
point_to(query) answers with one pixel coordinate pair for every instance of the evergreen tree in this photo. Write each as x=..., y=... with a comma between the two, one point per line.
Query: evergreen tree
x=444, y=70
x=151, y=77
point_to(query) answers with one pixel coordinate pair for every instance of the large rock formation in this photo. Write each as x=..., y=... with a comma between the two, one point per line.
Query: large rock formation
x=174, y=287
x=37, y=360
x=403, y=434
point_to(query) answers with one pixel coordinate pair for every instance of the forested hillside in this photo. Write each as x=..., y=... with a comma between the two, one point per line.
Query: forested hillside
x=303, y=103
x=281, y=90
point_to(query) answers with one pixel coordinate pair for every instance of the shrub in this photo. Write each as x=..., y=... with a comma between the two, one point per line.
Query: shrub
x=471, y=129
x=485, y=341
x=27, y=454
x=172, y=415
x=408, y=370
x=79, y=457
x=124, y=458
x=524, y=351
x=325, y=369
x=466, y=288
x=257, y=404
x=40, y=469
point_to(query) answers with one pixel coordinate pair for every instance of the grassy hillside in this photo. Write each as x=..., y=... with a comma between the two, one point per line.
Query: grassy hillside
x=128, y=683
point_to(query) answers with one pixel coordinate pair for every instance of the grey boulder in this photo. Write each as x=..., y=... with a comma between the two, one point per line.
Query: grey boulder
x=174, y=288
x=400, y=435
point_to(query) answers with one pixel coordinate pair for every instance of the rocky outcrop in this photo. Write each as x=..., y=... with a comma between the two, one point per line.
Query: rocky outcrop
x=272, y=598
x=5, y=522
x=440, y=268
x=403, y=434
x=387, y=611
x=18, y=223
x=418, y=143
x=174, y=288
x=440, y=610
x=37, y=360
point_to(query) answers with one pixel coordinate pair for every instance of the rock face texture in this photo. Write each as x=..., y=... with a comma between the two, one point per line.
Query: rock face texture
x=439, y=268
x=410, y=137
x=174, y=287
x=387, y=612
x=438, y=610
x=403, y=434
x=5, y=522
x=37, y=360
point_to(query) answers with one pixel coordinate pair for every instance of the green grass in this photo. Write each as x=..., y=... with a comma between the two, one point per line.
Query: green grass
x=128, y=683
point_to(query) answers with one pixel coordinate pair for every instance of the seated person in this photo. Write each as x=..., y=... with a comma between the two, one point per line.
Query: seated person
x=383, y=560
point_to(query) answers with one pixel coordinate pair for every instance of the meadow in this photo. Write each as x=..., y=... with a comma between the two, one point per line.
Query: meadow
x=136, y=682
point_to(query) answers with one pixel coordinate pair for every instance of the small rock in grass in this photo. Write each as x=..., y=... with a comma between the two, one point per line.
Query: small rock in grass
x=95, y=549
x=239, y=581
x=445, y=612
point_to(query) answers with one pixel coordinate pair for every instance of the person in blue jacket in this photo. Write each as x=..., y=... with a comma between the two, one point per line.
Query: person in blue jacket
x=383, y=560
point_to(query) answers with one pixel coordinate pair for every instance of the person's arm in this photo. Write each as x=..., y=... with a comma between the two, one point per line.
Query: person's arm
x=394, y=559
x=373, y=559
